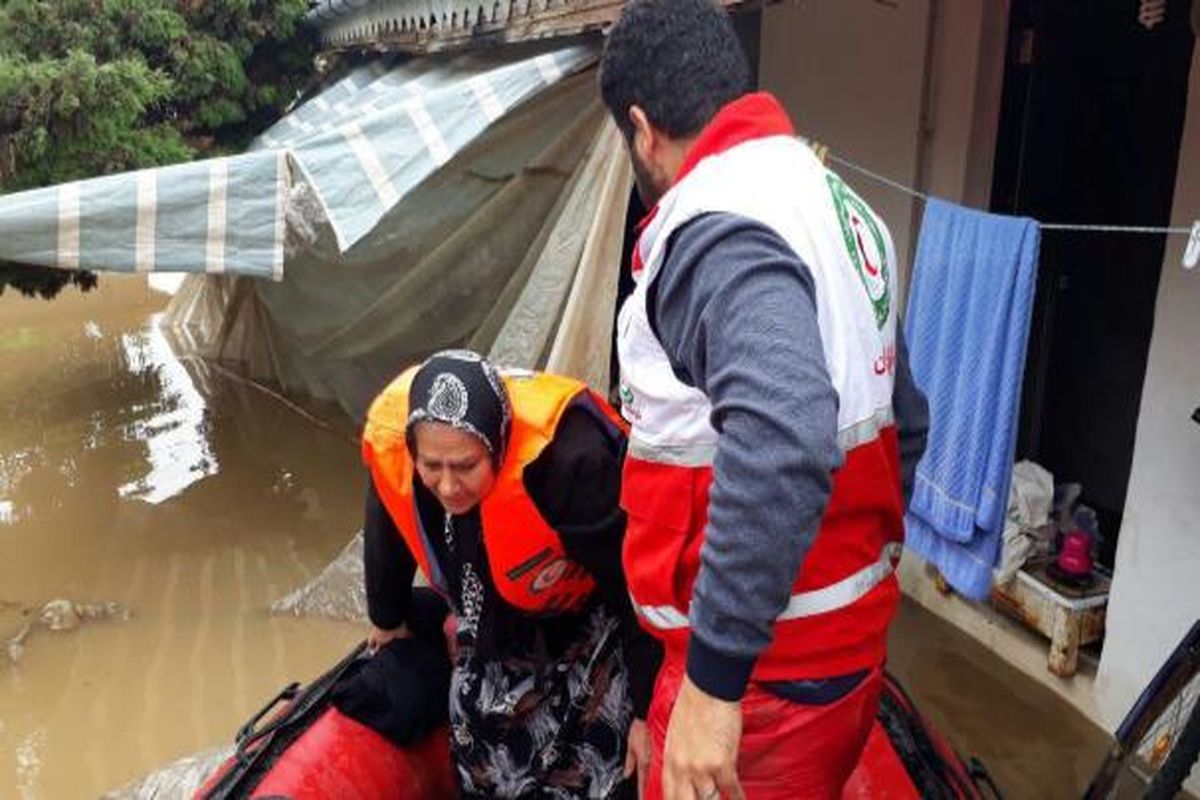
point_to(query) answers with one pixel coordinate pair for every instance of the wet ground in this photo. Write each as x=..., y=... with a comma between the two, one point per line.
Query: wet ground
x=193, y=500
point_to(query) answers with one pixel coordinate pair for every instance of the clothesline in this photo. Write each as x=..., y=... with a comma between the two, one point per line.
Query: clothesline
x=1046, y=226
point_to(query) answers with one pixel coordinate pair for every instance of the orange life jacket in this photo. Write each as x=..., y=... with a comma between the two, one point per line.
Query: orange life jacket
x=528, y=564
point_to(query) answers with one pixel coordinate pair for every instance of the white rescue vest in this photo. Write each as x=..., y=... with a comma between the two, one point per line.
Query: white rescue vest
x=778, y=182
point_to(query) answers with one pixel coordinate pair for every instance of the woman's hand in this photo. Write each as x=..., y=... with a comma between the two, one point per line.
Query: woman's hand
x=378, y=637
x=638, y=752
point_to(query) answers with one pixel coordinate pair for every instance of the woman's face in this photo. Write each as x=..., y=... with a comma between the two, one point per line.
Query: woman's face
x=454, y=465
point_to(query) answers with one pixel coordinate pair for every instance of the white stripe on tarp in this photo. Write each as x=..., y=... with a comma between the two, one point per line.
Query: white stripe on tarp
x=368, y=159
x=836, y=596
x=548, y=66
x=218, y=188
x=68, y=226
x=428, y=130
x=485, y=93
x=282, y=179
x=147, y=220
x=321, y=103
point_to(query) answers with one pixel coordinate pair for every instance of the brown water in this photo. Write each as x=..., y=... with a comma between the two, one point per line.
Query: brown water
x=127, y=475
x=191, y=499
x=1035, y=745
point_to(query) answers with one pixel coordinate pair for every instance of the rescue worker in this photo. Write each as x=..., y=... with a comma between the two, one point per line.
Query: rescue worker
x=775, y=424
x=503, y=490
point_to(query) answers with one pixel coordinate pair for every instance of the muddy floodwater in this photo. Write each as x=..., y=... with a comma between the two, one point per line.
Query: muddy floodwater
x=189, y=499
x=1033, y=743
x=174, y=503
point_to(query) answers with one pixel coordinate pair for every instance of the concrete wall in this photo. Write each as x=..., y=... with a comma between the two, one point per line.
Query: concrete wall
x=965, y=90
x=1156, y=589
x=853, y=76
x=850, y=73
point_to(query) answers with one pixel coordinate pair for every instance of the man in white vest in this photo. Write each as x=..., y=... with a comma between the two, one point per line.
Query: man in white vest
x=775, y=425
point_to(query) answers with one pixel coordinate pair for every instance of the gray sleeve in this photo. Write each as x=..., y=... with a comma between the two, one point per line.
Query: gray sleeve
x=912, y=417
x=734, y=308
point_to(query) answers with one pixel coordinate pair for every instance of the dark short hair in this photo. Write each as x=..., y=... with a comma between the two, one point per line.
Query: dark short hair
x=680, y=61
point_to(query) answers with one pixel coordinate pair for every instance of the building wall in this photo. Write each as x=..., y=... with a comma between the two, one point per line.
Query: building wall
x=1156, y=588
x=966, y=84
x=850, y=73
x=853, y=76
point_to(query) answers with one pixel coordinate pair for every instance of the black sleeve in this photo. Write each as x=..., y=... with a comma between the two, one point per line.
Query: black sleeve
x=912, y=417
x=388, y=565
x=576, y=485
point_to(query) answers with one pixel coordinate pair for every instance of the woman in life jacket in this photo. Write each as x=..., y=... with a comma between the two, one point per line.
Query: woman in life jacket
x=503, y=490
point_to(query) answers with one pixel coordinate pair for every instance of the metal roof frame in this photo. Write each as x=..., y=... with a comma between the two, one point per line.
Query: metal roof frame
x=425, y=26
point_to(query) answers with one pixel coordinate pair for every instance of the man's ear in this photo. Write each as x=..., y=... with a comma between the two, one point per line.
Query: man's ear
x=645, y=136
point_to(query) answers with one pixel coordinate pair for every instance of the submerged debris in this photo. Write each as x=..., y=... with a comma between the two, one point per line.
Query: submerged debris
x=15, y=645
x=58, y=615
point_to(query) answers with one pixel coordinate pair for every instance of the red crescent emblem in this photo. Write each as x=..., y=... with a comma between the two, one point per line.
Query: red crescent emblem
x=871, y=269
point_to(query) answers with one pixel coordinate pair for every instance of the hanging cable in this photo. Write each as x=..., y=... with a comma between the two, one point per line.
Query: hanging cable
x=876, y=176
x=1068, y=226
x=824, y=154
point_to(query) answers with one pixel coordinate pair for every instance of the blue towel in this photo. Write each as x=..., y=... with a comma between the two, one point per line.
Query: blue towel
x=967, y=329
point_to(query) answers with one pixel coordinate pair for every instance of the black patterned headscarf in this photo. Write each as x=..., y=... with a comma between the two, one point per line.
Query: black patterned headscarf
x=461, y=389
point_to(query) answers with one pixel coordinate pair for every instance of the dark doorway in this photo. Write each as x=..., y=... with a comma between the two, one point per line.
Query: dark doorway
x=1091, y=122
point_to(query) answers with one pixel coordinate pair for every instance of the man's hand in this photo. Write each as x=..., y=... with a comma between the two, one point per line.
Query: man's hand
x=700, y=758
x=637, y=754
x=378, y=637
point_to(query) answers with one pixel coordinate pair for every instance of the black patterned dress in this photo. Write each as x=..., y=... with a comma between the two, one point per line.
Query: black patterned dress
x=549, y=722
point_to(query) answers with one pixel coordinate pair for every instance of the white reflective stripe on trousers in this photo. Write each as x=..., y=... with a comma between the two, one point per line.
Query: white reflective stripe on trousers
x=836, y=596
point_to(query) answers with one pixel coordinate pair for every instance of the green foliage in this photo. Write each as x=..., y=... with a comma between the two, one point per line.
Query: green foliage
x=90, y=87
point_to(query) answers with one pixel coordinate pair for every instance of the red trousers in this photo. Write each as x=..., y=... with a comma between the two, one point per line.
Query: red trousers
x=789, y=751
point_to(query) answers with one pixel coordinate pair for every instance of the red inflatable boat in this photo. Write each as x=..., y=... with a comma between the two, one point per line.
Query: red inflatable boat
x=308, y=750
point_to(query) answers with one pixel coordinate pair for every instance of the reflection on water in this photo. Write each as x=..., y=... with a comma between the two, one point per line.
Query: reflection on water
x=14, y=467
x=130, y=476
x=29, y=764
x=172, y=427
